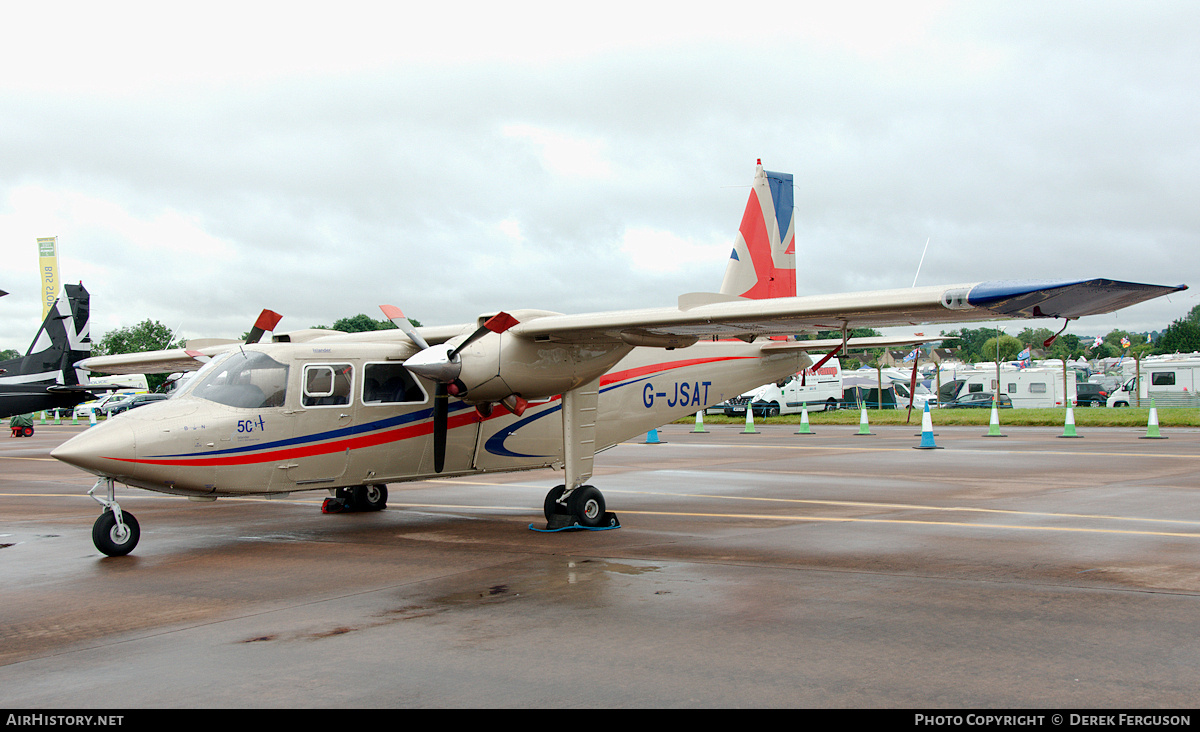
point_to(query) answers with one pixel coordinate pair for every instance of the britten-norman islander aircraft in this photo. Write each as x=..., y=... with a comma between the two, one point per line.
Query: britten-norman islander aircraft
x=519, y=390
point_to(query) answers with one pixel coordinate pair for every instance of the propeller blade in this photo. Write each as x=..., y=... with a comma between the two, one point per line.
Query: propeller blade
x=392, y=313
x=498, y=323
x=441, y=410
x=267, y=320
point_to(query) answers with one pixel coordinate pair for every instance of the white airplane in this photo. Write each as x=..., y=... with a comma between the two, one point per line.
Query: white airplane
x=352, y=412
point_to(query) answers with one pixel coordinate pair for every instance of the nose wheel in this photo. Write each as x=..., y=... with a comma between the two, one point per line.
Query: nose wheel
x=116, y=532
x=116, y=538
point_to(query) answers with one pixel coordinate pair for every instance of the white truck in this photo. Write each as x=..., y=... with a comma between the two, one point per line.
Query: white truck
x=819, y=388
x=1170, y=380
x=1027, y=388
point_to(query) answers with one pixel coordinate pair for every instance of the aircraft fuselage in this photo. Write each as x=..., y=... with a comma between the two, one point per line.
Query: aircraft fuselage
x=320, y=417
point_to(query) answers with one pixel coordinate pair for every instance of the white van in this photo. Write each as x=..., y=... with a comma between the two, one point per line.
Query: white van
x=819, y=388
x=1170, y=381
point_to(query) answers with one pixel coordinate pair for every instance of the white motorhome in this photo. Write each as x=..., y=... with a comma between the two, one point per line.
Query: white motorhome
x=819, y=388
x=1170, y=380
x=1027, y=388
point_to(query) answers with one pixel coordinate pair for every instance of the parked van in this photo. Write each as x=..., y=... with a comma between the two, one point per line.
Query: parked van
x=1170, y=381
x=819, y=388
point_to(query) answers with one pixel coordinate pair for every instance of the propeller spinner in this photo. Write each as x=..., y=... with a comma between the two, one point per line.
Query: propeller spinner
x=442, y=365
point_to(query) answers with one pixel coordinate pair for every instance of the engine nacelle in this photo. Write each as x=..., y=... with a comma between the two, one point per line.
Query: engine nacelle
x=495, y=367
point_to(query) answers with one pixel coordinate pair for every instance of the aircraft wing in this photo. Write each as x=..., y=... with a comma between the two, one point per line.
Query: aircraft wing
x=82, y=388
x=825, y=344
x=881, y=308
x=153, y=362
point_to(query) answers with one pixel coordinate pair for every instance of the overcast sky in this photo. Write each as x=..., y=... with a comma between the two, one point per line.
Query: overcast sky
x=199, y=162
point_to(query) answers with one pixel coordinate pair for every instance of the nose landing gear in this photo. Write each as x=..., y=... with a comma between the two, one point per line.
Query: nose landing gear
x=116, y=532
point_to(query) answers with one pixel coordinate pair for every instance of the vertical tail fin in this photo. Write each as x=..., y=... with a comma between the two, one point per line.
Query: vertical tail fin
x=62, y=341
x=763, y=262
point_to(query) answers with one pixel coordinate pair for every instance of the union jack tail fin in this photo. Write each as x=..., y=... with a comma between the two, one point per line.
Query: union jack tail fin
x=62, y=341
x=763, y=262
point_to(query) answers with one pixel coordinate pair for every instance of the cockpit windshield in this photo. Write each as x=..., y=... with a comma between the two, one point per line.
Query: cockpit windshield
x=243, y=379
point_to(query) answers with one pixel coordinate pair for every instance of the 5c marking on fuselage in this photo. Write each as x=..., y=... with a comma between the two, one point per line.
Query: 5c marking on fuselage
x=684, y=394
x=251, y=425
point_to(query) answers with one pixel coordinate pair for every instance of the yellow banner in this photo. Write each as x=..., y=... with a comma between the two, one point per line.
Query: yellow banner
x=48, y=256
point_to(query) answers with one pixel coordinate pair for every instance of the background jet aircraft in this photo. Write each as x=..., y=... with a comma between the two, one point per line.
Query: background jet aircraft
x=46, y=377
x=352, y=412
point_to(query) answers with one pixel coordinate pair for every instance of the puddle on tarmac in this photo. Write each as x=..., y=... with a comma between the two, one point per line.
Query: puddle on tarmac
x=554, y=578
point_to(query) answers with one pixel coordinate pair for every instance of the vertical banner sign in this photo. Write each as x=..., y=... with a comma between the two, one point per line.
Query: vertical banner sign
x=48, y=256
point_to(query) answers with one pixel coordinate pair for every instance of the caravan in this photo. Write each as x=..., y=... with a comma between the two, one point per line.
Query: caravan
x=1027, y=388
x=1170, y=380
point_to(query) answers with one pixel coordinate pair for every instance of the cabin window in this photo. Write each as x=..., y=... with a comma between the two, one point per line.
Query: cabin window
x=390, y=383
x=1012, y=387
x=327, y=385
x=244, y=379
x=972, y=388
x=1162, y=378
x=1037, y=387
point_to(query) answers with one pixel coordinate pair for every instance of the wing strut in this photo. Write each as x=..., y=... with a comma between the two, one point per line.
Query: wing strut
x=821, y=363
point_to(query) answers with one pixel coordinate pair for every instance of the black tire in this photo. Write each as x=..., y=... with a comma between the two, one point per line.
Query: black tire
x=772, y=410
x=370, y=497
x=552, y=507
x=107, y=539
x=586, y=505
x=1121, y=404
x=27, y=431
x=831, y=405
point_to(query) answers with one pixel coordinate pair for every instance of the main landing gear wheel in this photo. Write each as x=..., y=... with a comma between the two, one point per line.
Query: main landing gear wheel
x=584, y=507
x=586, y=504
x=112, y=538
x=369, y=497
x=359, y=498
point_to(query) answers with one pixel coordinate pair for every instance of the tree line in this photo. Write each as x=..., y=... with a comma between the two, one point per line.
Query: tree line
x=991, y=344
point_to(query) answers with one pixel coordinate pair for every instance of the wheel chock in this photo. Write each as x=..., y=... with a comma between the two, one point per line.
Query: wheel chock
x=565, y=522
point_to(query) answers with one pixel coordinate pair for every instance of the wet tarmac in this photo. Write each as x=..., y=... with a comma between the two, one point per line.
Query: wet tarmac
x=764, y=570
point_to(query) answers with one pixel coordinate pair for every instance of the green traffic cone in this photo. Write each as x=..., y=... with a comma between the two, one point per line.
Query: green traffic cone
x=1069, y=427
x=700, y=423
x=994, y=425
x=1152, y=432
x=863, y=427
x=804, y=428
x=749, y=421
